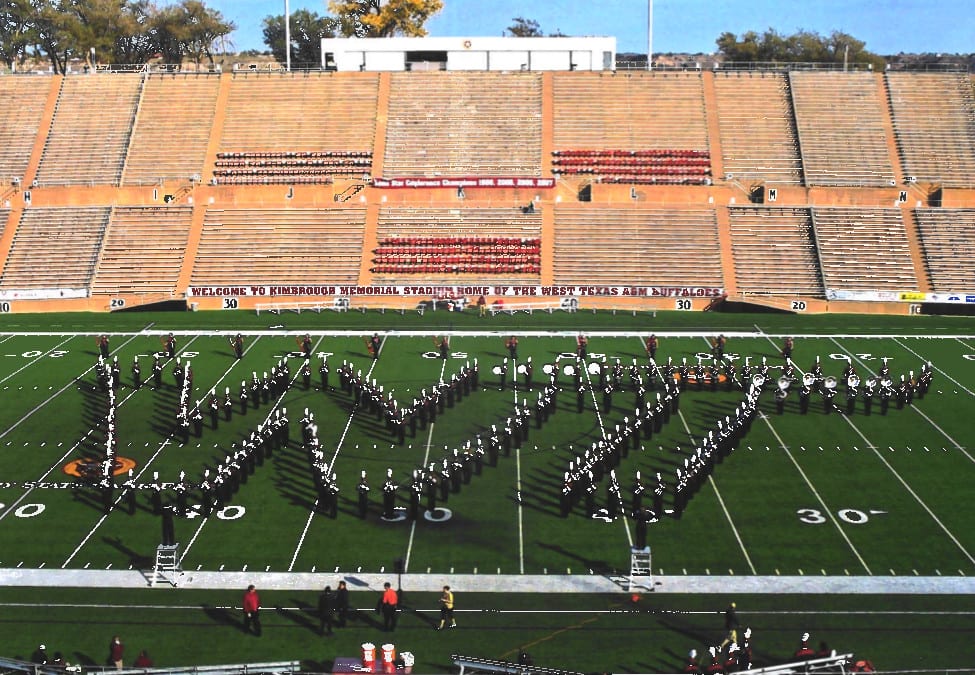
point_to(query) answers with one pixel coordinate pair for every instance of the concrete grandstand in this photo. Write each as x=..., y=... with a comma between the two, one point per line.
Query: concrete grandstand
x=810, y=190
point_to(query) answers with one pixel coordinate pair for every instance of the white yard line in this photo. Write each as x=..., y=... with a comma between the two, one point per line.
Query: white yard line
x=521, y=528
x=815, y=492
x=304, y=532
x=193, y=539
x=36, y=359
x=949, y=377
x=727, y=514
x=409, y=544
x=165, y=442
x=348, y=422
x=900, y=479
x=918, y=411
x=58, y=392
x=101, y=520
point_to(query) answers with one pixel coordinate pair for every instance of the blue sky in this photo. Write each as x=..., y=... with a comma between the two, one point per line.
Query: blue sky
x=887, y=26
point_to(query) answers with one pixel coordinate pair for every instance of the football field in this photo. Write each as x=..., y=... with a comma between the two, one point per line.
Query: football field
x=822, y=493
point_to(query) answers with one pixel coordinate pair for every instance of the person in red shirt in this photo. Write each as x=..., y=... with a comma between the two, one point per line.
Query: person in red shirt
x=805, y=651
x=143, y=660
x=252, y=606
x=116, y=651
x=651, y=345
x=388, y=604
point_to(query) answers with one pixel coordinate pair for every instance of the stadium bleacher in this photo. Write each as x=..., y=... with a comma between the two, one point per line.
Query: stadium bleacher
x=91, y=129
x=758, y=134
x=172, y=130
x=934, y=122
x=838, y=117
x=279, y=246
x=775, y=251
x=24, y=99
x=864, y=249
x=55, y=248
x=143, y=250
x=260, y=160
x=635, y=246
x=460, y=124
x=948, y=238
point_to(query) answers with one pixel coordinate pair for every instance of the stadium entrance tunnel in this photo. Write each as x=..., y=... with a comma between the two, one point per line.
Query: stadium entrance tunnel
x=744, y=307
x=161, y=306
x=945, y=309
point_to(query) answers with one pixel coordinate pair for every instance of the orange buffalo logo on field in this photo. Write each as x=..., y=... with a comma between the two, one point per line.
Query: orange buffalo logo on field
x=88, y=467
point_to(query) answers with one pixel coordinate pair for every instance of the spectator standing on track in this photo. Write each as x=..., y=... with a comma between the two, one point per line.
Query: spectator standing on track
x=116, y=651
x=805, y=651
x=326, y=611
x=481, y=306
x=252, y=607
x=447, y=608
x=143, y=660
x=342, y=603
x=388, y=605
x=39, y=655
x=730, y=625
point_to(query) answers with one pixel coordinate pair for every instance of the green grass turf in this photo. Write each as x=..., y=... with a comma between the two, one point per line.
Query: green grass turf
x=910, y=467
x=590, y=633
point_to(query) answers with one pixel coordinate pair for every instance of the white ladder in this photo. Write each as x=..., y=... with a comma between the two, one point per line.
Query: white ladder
x=640, y=569
x=167, y=565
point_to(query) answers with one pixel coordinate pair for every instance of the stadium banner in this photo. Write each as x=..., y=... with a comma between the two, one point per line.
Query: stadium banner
x=464, y=182
x=458, y=291
x=44, y=294
x=899, y=296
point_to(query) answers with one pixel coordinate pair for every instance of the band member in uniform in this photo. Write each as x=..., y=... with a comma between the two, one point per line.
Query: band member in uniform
x=582, y=346
x=652, y=346
x=787, y=345
x=136, y=373
x=363, y=490
x=102, y=343
x=374, y=344
x=512, y=345
x=717, y=347
x=238, y=345
x=444, y=346
x=170, y=343
x=305, y=344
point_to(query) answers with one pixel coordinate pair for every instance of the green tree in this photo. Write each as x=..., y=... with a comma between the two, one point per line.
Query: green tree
x=202, y=29
x=17, y=34
x=803, y=46
x=522, y=27
x=369, y=18
x=307, y=31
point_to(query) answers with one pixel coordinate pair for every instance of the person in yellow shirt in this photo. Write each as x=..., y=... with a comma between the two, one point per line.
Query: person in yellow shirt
x=447, y=608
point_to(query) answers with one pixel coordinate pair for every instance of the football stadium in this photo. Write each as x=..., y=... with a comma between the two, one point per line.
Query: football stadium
x=654, y=371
